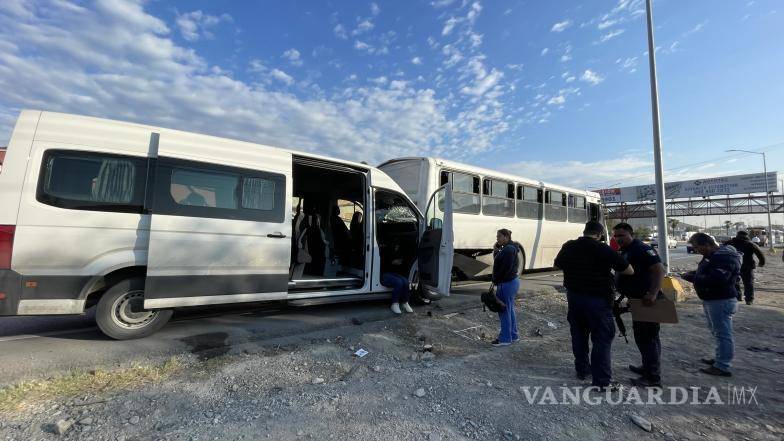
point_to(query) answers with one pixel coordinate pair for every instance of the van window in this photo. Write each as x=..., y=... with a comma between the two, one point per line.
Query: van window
x=187, y=188
x=92, y=181
x=201, y=188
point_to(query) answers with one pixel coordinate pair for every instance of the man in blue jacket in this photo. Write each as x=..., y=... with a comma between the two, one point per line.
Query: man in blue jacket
x=506, y=273
x=716, y=282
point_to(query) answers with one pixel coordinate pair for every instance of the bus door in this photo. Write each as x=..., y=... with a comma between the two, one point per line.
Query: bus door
x=218, y=233
x=436, y=247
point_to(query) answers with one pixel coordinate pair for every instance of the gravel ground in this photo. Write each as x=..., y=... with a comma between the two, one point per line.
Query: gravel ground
x=313, y=387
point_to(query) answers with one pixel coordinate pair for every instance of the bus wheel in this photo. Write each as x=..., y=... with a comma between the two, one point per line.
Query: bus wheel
x=521, y=259
x=120, y=313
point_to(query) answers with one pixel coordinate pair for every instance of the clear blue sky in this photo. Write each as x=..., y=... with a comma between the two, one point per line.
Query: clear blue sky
x=552, y=90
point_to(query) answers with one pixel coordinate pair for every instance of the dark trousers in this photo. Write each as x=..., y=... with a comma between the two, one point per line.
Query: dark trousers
x=399, y=285
x=591, y=317
x=646, y=336
x=747, y=276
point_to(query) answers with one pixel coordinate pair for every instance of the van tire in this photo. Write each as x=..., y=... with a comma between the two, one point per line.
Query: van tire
x=119, y=314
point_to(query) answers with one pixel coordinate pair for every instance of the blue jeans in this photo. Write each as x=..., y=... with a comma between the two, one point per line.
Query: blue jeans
x=399, y=285
x=506, y=292
x=591, y=317
x=719, y=315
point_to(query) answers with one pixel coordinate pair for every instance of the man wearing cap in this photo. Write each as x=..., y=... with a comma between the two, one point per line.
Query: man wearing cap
x=749, y=249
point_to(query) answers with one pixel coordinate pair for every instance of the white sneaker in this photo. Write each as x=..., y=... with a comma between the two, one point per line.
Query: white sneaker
x=407, y=307
x=396, y=308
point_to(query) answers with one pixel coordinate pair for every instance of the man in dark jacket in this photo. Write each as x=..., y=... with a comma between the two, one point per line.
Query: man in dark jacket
x=749, y=249
x=587, y=265
x=716, y=284
x=506, y=278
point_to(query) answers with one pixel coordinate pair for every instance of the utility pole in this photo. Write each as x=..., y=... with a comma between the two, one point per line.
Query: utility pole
x=661, y=211
x=767, y=192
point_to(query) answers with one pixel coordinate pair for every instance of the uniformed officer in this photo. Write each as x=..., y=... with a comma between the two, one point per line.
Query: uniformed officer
x=644, y=284
x=587, y=265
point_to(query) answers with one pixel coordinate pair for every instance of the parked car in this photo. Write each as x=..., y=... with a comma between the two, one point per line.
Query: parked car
x=671, y=243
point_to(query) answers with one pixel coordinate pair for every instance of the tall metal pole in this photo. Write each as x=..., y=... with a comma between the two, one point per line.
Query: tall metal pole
x=767, y=191
x=767, y=199
x=661, y=212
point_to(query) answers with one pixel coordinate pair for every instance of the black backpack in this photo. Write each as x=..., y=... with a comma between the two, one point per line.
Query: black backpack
x=491, y=301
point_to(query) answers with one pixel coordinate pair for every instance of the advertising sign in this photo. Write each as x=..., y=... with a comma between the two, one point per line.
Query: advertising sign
x=610, y=195
x=719, y=186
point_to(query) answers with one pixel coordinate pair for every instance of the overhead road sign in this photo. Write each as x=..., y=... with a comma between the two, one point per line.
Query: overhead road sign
x=697, y=188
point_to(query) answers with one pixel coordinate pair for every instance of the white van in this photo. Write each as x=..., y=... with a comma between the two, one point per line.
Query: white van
x=136, y=220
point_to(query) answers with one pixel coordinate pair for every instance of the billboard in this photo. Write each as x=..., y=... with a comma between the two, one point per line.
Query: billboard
x=719, y=186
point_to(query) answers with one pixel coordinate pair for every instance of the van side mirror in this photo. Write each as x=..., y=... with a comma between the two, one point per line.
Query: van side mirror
x=436, y=224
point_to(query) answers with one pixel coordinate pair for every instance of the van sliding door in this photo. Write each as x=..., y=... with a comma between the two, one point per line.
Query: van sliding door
x=218, y=233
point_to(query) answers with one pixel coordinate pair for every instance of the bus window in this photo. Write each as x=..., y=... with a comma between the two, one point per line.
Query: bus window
x=577, y=209
x=465, y=191
x=555, y=206
x=595, y=212
x=499, y=198
x=529, y=202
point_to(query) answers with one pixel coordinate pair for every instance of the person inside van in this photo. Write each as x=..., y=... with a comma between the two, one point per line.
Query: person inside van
x=397, y=236
x=394, y=274
x=341, y=237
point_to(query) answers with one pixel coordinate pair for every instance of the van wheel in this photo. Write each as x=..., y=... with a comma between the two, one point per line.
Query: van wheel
x=120, y=313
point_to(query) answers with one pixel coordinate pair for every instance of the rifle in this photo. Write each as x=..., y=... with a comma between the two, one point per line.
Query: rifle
x=617, y=311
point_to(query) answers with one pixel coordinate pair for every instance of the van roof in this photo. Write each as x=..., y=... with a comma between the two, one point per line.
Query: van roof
x=94, y=120
x=486, y=172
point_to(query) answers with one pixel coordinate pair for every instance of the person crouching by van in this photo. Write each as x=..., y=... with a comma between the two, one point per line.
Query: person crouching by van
x=507, y=282
x=394, y=274
x=716, y=283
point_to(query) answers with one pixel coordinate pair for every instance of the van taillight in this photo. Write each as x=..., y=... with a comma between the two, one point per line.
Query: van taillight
x=6, y=245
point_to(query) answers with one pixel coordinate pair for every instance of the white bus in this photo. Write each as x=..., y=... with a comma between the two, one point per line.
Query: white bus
x=136, y=220
x=541, y=216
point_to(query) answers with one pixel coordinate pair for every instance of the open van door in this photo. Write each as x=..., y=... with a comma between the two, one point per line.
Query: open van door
x=436, y=247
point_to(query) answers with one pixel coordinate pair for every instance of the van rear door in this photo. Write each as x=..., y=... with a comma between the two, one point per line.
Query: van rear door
x=219, y=233
x=436, y=247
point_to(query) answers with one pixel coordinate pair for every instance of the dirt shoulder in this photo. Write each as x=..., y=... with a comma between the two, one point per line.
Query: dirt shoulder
x=311, y=386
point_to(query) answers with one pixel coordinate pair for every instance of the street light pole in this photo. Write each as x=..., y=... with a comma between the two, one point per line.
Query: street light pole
x=661, y=211
x=767, y=190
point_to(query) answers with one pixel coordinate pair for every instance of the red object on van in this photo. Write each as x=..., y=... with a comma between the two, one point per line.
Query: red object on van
x=6, y=245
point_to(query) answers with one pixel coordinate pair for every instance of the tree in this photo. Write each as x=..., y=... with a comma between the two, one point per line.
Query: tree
x=673, y=224
x=727, y=225
x=642, y=233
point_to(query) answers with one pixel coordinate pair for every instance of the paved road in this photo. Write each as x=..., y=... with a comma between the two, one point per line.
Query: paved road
x=30, y=346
